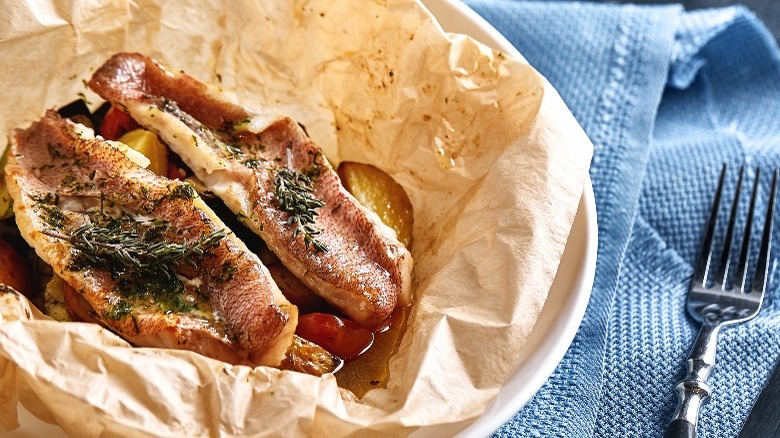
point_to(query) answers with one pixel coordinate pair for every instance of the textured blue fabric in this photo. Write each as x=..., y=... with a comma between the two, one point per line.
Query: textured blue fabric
x=666, y=96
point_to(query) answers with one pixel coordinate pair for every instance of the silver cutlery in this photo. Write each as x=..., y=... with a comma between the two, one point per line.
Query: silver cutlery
x=715, y=300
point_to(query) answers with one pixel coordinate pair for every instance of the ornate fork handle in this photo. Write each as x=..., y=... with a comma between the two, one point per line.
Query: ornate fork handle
x=693, y=390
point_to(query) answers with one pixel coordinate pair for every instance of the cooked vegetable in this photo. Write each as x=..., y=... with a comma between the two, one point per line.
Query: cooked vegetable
x=116, y=123
x=13, y=269
x=378, y=192
x=147, y=143
x=339, y=336
x=307, y=357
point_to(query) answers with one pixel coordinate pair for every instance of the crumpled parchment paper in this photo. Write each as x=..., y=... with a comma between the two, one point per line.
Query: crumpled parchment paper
x=493, y=161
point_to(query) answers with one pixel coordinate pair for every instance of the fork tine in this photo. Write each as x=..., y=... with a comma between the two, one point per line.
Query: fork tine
x=746, y=237
x=762, y=267
x=728, y=240
x=705, y=254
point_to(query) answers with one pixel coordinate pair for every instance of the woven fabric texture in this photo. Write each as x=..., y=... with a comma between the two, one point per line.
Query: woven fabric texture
x=667, y=97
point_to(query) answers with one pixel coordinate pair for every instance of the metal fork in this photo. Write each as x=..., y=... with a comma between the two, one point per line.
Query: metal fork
x=716, y=304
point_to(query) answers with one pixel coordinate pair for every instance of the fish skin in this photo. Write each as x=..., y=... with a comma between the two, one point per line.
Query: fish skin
x=250, y=322
x=365, y=273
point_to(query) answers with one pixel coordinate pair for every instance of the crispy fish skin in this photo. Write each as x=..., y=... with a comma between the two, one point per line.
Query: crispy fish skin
x=365, y=272
x=62, y=177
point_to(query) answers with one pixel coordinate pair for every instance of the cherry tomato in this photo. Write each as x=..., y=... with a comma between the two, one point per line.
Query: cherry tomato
x=339, y=336
x=116, y=124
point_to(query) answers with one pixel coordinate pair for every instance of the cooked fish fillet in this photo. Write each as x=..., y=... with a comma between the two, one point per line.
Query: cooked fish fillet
x=350, y=259
x=222, y=303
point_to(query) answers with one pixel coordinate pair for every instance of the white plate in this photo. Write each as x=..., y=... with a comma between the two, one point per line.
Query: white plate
x=562, y=313
x=565, y=306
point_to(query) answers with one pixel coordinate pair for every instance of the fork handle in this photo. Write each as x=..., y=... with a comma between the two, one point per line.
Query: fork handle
x=693, y=390
x=680, y=429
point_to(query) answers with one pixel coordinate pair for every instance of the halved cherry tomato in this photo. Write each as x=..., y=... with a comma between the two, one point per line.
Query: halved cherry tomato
x=339, y=336
x=116, y=124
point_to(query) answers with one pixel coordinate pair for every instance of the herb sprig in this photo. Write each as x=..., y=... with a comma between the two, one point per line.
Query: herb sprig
x=115, y=247
x=295, y=195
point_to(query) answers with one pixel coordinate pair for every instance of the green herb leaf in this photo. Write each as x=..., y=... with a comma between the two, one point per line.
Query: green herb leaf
x=295, y=195
x=117, y=246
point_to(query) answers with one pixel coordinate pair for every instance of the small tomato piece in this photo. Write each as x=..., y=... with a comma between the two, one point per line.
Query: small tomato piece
x=339, y=336
x=116, y=123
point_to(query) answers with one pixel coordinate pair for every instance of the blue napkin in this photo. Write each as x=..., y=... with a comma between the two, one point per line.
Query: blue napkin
x=666, y=96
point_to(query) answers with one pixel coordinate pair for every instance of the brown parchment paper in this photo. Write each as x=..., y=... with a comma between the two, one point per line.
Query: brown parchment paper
x=493, y=161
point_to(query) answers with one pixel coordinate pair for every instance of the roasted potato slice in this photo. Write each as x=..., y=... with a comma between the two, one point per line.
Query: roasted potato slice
x=147, y=143
x=379, y=192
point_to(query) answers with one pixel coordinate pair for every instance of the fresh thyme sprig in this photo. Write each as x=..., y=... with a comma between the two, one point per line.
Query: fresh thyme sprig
x=295, y=195
x=117, y=247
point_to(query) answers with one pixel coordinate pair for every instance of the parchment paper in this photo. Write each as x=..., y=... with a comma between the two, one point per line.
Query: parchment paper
x=493, y=162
